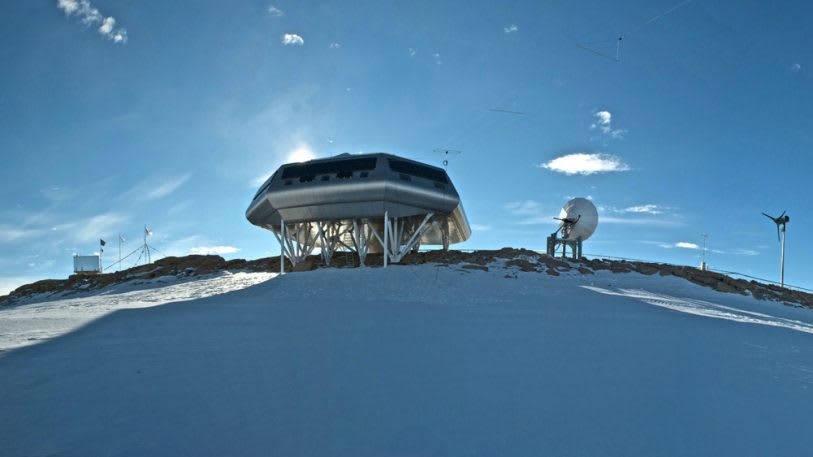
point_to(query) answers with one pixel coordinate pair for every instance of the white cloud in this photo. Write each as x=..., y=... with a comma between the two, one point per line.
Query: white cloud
x=748, y=252
x=603, y=123
x=480, y=228
x=524, y=208
x=292, y=39
x=213, y=250
x=90, y=15
x=69, y=6
x=99, y=226
x=686, y=245
x=585, y=164
x=11, y=234
x=643, y=209
x=436, y=56
x=334, y=45
x=679, y=244
x=166, y=187
x=107, y=26
x=155, y=187
x=510, y=29
x=412, y=52
x=274, y=11
x=637, y=221
x=528, y=212
x=795, y=67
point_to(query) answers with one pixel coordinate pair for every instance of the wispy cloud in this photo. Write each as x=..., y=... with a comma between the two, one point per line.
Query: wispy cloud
x=90, y=16
x=603, y=123
x=796, y=67
x=292, y=39
x=12, y=234
x=167, y=187
x=412, y=52
x=747, y=252
x=646, y=209
x=213, y=250
x=686, y=245
x=528, y=212
x=603, y=219
x=638, y=209
x=155, y=187
x=334, y=45
x=437, y=58
x=523, y=208
x=100, y=225
x=696, y=247
x=274, y=11
x=481, y=227
x=585, y=164
x=510, y=29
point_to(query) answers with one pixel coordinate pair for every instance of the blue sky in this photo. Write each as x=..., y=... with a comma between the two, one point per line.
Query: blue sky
x=119, y=114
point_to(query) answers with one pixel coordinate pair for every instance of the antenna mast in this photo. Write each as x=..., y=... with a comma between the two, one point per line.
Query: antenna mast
x=446, y=153
x=703, y=265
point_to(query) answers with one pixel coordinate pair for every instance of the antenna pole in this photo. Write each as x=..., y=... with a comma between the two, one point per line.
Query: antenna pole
x=703, y=258
x=782, y=261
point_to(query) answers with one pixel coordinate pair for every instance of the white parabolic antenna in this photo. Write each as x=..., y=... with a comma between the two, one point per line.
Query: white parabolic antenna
x=579, y=219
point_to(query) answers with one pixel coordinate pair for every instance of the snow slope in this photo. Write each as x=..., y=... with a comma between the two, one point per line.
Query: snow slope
x=415, y=361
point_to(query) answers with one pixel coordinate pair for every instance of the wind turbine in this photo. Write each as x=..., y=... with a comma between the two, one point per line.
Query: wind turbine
x=780, y=222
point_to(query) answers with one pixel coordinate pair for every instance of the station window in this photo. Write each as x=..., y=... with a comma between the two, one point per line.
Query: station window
x=342, y=168
x=418, y=170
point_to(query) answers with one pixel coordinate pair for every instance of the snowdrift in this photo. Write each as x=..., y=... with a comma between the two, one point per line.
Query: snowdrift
x=430, y=359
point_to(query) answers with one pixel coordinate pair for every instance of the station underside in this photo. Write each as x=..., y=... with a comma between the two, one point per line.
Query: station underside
x=393, y=236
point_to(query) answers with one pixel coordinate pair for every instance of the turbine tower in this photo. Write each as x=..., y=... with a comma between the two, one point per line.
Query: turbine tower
x=780, y=222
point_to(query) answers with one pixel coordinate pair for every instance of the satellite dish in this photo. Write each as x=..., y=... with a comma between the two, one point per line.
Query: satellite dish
x=579, y=219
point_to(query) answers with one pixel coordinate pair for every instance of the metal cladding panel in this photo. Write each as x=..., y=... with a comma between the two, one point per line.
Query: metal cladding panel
x=349, y=200
x=331, y=190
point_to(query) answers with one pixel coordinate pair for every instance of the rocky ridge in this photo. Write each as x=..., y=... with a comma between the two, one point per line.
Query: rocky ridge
x=518, y=259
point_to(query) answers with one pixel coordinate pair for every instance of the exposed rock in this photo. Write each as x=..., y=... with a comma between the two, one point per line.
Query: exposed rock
x=521, y=259
x=305, y=265
x=620, y=267
x=522, y=264
x=646, y=269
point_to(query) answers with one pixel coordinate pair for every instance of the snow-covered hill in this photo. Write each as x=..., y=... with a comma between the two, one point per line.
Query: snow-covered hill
x=411, y=360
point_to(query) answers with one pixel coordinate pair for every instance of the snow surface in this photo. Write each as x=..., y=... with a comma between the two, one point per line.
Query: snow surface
x=421, y=360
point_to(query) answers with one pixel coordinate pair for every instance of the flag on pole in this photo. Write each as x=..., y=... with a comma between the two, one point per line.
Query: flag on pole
x=102, y=242
x=121, y=238
x=101, y=245
x=147, y=231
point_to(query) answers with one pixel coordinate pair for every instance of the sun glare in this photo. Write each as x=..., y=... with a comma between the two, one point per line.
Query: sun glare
x=300, y=154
